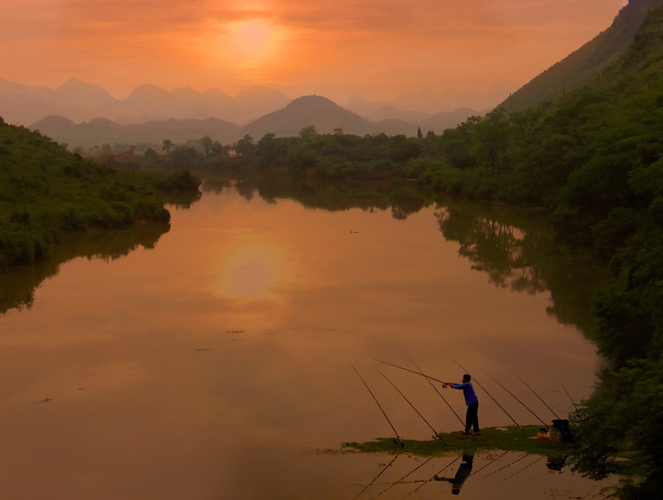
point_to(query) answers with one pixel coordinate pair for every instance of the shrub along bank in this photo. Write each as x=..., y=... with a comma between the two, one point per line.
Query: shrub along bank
x=46, y=191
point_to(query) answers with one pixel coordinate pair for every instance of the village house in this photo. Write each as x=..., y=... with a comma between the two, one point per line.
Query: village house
x=230, y=152
x=128, y=155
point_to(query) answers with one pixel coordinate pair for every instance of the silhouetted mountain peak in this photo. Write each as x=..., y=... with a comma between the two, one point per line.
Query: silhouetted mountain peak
x=257, y=92
x=147, y=90
x=53, y=122
x=216, y=94
x=74, y=83
x=78, y=91
x=313, y=101
x=186, y=92
x=104, y=122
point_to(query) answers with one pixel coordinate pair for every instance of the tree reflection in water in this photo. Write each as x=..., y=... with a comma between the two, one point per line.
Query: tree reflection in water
x=514, y=247
x=517, y=250
x=494, y=247
x=18, y=285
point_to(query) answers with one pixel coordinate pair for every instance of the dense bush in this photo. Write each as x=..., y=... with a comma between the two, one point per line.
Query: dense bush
x=45, y=190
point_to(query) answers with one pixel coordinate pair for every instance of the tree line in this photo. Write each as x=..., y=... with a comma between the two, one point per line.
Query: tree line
x=46, y=191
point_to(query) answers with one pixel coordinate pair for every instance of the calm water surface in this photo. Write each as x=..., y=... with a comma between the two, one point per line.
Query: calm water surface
x=212, y=360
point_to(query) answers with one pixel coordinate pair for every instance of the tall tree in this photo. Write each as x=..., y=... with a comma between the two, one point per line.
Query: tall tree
x=167, y=146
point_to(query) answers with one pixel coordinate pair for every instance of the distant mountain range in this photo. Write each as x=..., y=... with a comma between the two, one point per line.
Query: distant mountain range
x=308, y=110
x=102, y=131
x=79, y=101
x=72, y=112
x=586, y=62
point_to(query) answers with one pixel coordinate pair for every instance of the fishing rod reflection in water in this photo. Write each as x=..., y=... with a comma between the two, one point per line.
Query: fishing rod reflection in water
x=524, y=468
x=404, y=477
x=376, y=477
x=432, y=478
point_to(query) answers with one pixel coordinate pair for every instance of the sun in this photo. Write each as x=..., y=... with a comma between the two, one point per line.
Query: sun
x=253, y=40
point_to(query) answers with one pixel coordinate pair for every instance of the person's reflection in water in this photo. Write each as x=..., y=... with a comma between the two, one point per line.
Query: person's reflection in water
x=463, y=472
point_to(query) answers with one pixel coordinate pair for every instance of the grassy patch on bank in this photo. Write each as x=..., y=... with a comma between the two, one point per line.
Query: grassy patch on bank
x=491, y=438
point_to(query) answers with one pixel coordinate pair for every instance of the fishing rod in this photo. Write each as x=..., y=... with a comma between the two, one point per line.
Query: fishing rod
x=400, y=441
x=376, y=477
x=440, y=394
x=567, y=393
x=553, y=411
x=514, y=397
x=489, y=463
x=435, y=433
x=526, y=467
x=411, y=371
x=491, y=397
x=406, y=475
x=428, y=481
x=507, y=465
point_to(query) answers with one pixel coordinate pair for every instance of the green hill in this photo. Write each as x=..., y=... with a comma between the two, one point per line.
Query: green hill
x=586, y=62
x=325, y=115
x=46, y=191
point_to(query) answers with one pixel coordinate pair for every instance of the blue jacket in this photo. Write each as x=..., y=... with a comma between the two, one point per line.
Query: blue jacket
x=468, y=392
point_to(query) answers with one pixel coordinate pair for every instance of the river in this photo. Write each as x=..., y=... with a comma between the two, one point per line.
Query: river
x=212, y=359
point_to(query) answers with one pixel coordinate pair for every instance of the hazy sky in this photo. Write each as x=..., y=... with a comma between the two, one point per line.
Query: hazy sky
x=377, y=47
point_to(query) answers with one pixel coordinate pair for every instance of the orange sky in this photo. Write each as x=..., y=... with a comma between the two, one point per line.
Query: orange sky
x=376, y=47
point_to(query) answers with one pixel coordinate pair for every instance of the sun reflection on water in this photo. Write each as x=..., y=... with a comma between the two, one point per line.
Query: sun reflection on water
x=253, y=272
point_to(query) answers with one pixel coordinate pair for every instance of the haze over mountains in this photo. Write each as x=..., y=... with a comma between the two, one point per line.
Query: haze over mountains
x=79, y=101
x=299, y=113
x=83, y=114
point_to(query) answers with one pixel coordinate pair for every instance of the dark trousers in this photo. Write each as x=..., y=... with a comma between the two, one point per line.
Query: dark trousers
x=472, y=417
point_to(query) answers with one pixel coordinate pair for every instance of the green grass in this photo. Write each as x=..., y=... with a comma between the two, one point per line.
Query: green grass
x=490, y=439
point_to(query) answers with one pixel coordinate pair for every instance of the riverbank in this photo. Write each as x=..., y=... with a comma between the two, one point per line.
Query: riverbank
x=46, y=191
x=510, y=438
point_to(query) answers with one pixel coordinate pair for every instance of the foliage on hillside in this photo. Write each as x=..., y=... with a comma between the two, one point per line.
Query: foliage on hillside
x=46, y=191
x=582, y=65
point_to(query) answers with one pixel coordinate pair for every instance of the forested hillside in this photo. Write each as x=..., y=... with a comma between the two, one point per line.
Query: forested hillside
x=45, y=191
x=586, y=62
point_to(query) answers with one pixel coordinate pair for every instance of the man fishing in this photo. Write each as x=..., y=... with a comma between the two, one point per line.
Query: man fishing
x=472, y=402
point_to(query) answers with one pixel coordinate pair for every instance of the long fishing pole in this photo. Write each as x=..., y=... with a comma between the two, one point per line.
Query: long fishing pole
x=514, y=397
x=567, y=393
x=411, y=371
x=376, y=477
x=489, y=463
x=526, y=467
x=436, y=435
x=553, y=411
x=440, y=394
x=406, y=475
x=428, y=481
x=380, y=406
x=491, y=397
x=507, y=465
